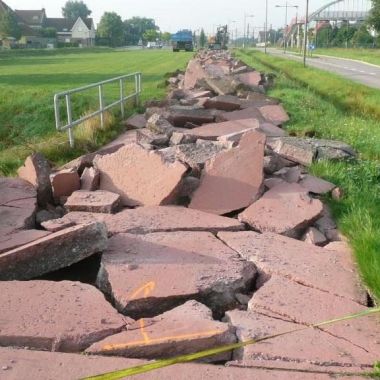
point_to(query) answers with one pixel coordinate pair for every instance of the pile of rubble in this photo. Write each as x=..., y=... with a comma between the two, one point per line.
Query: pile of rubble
x=206, y=229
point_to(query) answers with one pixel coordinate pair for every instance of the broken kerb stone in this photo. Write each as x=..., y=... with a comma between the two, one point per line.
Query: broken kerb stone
x=304, y=263
x=172, y=268
x=93, y=201
x=285, y=209
x=89, y=179
x=224, y=103
x=55, y=316
x=36, y=170
x=55, y=251
x=180, y=116
x=141, y=177
x=14, y=239
x=64, y=183
x=143, y=220
x=232, y=180
x=186, y=329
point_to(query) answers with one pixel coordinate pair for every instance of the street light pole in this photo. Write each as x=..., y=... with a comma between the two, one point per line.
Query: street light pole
x=305, y=34
x=286, y=6
x=245, y=28
x=266, y=27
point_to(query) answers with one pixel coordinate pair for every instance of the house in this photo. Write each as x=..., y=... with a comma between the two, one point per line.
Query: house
x=33, y=22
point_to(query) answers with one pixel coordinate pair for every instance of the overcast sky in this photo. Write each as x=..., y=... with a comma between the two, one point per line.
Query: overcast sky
x=171, y=15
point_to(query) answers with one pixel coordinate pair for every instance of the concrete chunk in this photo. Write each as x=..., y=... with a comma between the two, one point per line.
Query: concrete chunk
x=285, y=209
x=173, y=268
x=186, y=329
x=233, y=179
x=55, y=316
x=316, y=185
x=52, y=252
x=312, y=266
x=141, y=177
x=93, y=201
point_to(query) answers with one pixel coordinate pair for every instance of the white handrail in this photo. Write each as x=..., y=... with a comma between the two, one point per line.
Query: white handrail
x=102, y=106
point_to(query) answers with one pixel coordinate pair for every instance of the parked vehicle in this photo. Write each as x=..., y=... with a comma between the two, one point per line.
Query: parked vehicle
x=183, y=40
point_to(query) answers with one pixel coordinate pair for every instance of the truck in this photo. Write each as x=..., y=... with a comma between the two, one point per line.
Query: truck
x=183, y=40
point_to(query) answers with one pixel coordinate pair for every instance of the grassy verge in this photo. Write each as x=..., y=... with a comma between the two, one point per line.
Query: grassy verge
x=29, y=79
x=327, y=116
x=365, y=55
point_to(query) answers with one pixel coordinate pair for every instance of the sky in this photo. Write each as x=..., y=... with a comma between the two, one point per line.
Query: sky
x=173, y=15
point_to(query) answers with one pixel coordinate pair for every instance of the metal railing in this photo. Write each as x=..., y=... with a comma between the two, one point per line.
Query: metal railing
x=102, y=106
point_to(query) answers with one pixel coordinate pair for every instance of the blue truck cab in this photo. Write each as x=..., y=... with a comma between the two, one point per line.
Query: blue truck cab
x=183, y=40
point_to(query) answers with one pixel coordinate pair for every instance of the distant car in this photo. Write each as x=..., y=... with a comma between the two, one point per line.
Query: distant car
x=154, y=45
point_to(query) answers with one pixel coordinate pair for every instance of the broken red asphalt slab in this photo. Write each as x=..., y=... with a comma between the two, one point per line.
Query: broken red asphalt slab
x=55, y=316
x=89, y=179
x=282, y=298
x=36, y=170
x=274, y=114
x=285, y=209
x=232, y=179
x=144, y=220
x=316, y=185
x=252, y=78
x=215, y=130
x=17, y=204
x=174, y=267
x=309, y=265
x=93, y=201
x=224, y=103
x=314, y=236
x=287, y=300
x=310, y=349
x=52, y=252
x=136, y=121
x=64, y=183
x=132, y=168
x=15, y=239
x=247, y=113
x=186, y=329
x=194, y=72
x=25, y=364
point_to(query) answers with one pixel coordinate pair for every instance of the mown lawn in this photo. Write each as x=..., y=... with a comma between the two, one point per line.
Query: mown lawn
x=316, y=112
x=29, y=80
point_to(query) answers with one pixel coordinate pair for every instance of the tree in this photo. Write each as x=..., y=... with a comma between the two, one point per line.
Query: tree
x=151, y=35
x=111, y=28
x=74, y=9
x=166, y=37
x=8, y=25
x=374, y=18
x=135, y=28
x=49, y=32
x=362, y=37
x=202, y=38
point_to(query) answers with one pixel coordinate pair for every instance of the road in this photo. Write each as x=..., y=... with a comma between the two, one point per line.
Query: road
x=363, y=73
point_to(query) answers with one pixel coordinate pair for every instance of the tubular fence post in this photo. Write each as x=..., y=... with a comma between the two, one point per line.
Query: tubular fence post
x=56, y=112
x=69, y=120
x=136, y=90
x=101, y=106
x=122, y=98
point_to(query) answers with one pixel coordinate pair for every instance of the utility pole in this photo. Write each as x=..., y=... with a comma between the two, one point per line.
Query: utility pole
x=305, y=34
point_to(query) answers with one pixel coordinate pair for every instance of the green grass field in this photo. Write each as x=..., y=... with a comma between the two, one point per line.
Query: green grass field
x=29, y=80
x=316, y=112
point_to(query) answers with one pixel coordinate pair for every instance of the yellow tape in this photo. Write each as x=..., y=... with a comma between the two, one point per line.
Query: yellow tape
x=116, y=375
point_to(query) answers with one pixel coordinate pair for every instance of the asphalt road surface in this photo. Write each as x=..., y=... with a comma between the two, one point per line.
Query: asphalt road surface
x=363, y=73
